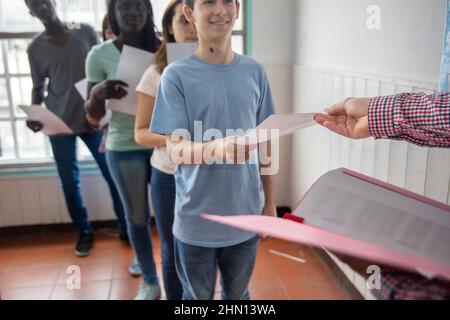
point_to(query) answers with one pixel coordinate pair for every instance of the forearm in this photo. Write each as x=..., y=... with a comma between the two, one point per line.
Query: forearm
x=416, y=117
x=269, y=194
x=37, y=96
x=95, y=108
x=185, y=152
x=148, y=139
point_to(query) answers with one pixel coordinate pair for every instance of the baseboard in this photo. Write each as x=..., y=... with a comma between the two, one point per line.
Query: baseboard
x=339, y=274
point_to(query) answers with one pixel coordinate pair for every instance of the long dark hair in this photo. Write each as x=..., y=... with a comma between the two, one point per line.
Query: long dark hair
x=161, y=54
x=151, y=40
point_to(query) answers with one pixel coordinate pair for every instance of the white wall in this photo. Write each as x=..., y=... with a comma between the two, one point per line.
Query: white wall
x=274, y=46
x=333, y=34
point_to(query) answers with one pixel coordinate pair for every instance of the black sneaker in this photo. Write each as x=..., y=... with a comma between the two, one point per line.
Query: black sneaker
x=125, y=239
x=84, y=244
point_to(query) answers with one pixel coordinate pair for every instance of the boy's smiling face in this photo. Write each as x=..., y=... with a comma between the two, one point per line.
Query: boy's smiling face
x=213, y=19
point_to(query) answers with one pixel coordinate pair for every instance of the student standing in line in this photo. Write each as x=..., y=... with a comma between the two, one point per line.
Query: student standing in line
x=58, y=54
x=415, y=117
x=175, y=29
x=222, y=90
x=132, y=22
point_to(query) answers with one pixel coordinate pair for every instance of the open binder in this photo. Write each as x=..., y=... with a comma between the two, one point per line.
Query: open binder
x=356, y=215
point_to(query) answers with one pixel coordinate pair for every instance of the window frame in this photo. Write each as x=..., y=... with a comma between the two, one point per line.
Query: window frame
x=13, y=118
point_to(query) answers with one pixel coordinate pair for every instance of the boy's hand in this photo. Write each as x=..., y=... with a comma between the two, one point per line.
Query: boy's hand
x=348, y=118
x=236, y=151
x=269, y=210
x=34, y=125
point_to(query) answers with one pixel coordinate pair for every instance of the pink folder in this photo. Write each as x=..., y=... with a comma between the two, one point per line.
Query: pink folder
x=319, y=236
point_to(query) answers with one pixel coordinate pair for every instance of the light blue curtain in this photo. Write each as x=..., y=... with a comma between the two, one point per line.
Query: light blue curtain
x=445, y=69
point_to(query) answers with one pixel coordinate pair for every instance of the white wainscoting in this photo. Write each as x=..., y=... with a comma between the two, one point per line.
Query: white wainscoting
x=315, y=151
x=35, y=200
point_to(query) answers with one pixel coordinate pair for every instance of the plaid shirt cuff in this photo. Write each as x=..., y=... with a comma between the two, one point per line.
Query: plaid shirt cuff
x=383, y=114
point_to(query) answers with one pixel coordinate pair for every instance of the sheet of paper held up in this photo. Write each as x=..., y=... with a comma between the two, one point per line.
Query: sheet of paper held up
x=177, y=51
x=82, y=87
x=132, y=65
x=352, y=215
x=276, y=126
x=53, y=125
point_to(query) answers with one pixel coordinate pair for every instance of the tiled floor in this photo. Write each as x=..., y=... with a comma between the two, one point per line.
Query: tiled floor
x=35, y=267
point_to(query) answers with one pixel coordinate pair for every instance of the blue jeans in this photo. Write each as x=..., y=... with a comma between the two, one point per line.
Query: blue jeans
x=163, y=199
x=131, y=173
x=64, y=151
x=197, y=269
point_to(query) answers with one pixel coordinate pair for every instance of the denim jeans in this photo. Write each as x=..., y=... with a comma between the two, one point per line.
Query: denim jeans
x=64, y=152
x=197, y=269
x=131, y=173
x=163, y=200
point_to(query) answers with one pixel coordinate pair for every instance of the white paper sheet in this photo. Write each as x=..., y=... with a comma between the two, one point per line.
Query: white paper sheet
x=82, y=87
x=177, y=51
x=277, y=126
x=53, y=125
x=132, y=66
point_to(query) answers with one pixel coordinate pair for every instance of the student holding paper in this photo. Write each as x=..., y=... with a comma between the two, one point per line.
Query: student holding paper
x=132, y=22
x=175, y=29
x=58, y=55
x=222, y=90
x=415, y=117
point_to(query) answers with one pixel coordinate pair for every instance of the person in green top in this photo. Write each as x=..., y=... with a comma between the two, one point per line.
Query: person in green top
x=129, y=163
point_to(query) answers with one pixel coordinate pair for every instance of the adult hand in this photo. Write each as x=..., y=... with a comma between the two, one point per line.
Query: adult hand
x=348, y=118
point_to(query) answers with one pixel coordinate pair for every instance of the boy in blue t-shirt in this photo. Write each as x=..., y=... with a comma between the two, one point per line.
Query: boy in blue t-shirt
x=200, y=99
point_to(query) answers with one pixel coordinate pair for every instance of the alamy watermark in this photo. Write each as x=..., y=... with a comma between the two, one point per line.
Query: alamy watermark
x=232, y=147
x=73, y=282
x=374, y=280
x=374, y=18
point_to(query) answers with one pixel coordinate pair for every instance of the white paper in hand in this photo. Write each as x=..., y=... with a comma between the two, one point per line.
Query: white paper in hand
x=177, y=51
x=53, y=125
x=276, y=126
x=132, y=66
x=82, y=87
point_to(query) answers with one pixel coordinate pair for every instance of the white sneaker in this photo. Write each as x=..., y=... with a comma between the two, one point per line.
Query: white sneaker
x=134, y=268
x=148, y=292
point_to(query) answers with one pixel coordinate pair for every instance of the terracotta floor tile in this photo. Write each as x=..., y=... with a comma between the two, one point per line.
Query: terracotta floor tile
x=94, y=290
x=42, y=257
x=263, y=275
x=325, y=290
x=125, y=289
x=27, y=293
x=6, y=261
x=90, y=271
x=101, y=252
x=268, y=293
x=31, y=277
x=292, y=272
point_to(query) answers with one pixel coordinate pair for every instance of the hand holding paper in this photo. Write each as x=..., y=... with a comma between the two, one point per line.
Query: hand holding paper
x=52, y=125
x=132, y=65
x=276, y=126
x=348, y=118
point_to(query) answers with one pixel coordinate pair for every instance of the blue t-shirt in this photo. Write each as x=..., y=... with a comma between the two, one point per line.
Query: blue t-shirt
x=233, y=96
